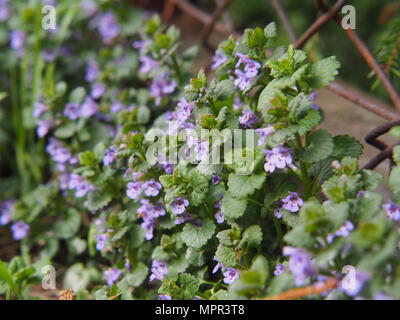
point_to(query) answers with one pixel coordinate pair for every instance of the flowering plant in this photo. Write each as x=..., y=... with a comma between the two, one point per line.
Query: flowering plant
x=213, y=188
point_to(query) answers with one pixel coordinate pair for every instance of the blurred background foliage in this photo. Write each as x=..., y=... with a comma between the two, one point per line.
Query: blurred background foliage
x=376, y=24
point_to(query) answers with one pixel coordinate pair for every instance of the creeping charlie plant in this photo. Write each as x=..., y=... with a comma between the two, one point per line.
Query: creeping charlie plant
x=221, y=187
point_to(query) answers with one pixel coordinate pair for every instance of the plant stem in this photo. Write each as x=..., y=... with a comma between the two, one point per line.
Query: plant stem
x=278, y=230
x=177, y=69
x=303, y=168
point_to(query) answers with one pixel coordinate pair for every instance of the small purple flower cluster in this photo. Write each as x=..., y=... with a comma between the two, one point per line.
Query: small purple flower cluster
x=219, y=215
x=248, y=118
x=279, y=269
x=291, y=202
x=277, y=158
x=230, y=274
x=112, y=275
x=263, y=133
x=6, y=208
x=199, y=147
x=20, y=230
x=178, y=206
x=161, y=86
x=392, y=211
x=300, y=264
x=151, y=188
x=87, y=109
x=344, y=231
x=5, y=10
x=147, y=64
x=17, y=42
x=244, y=79
x=150, y=213
x=80, y=185
x=110, y=156
x=159, y=270
x=108, y=27
x=218, y=60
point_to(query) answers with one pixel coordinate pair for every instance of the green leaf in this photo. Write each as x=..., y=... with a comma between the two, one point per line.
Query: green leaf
x=97, y=200
x=197, y=237
x=232, y=207
x=136, y=277
x=65, y=131
x=345, y=145
x=323, y=72
x=298, y=237
x=6, y=276
x=320, y=148
x=252, y=236
x=394, y=180
x=190, y=285
x=67, y=228
x=226, y=256
x=241, y=186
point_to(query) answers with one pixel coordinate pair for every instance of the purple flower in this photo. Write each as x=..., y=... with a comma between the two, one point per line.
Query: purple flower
x=152, y=188
x=71, y=110
x=178, y=206
x=17, y=41
x=230, y=275
x=148, y=64
x=277, y=158
x=300, y=264
x=108, y=27
x=158, y=270
x=5, y=10
x=43, y=127
x=345, y=229
x=218, y=60
x=313, y=97
x=112, y=275
x=88, y=108
x=292, y=202
x=164, y=297
x=392, y=210
x=278, y=213
x=354, y=281
x=263, y=133
x=89, y=7
x=116, y=106
x=149, y=213
x=6, y=208
x=20, y=230
x=80, y=185
x=134, y=189
x=279, y=269
x=161, y=86
x=242, y=81
x=141, y=45
x=248, y=118
x=39, y=109
x=218, y=266
x=57, y=152
x=184, y=110
x=215, y=179
x=97, y=90
x=92, y=71
x=109, y=156
x=101, y=240
x=200, y=148
x=183, y=218
x=220, y=217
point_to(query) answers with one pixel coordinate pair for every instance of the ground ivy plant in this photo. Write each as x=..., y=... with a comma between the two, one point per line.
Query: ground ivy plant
x=220, y=187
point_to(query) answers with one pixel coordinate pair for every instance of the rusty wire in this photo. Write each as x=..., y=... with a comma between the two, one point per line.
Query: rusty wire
x=211, y=24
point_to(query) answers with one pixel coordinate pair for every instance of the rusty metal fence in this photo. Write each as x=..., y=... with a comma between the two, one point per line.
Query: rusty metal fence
x=211, y=24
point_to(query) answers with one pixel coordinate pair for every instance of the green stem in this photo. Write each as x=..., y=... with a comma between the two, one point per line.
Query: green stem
x=177, y=69
x=304, y=171
x=278, y=230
